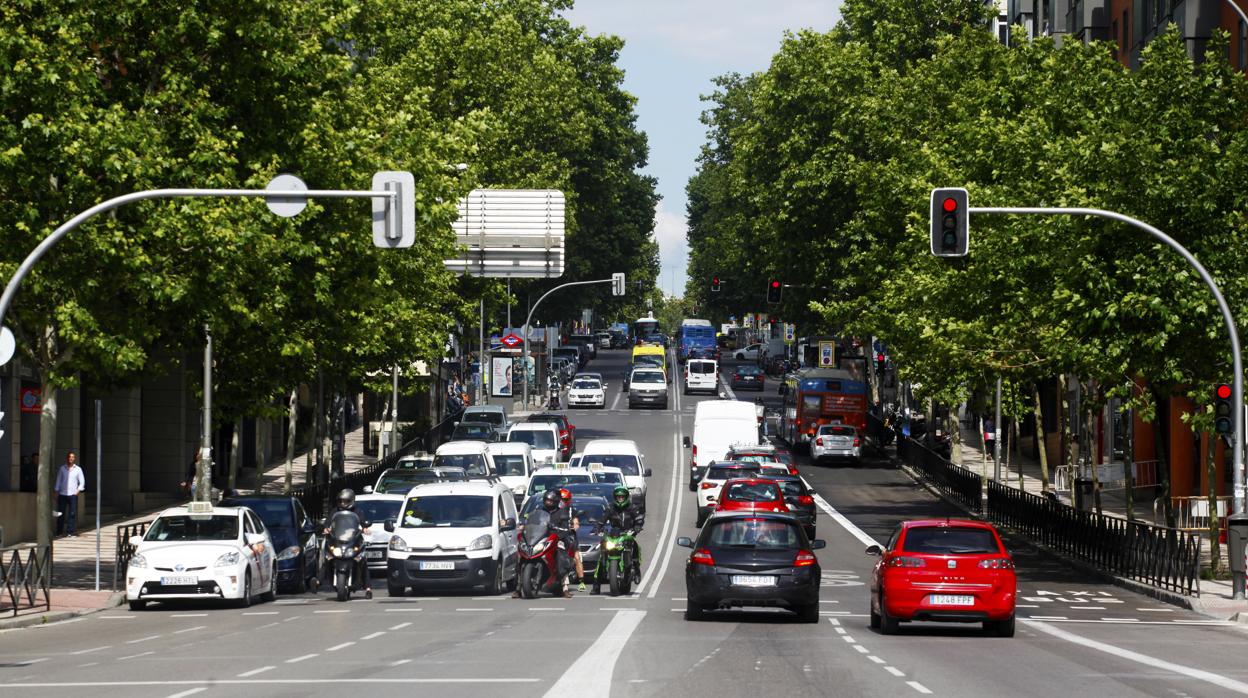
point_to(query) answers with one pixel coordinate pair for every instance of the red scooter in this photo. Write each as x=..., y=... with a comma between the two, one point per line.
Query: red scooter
x=543, y=566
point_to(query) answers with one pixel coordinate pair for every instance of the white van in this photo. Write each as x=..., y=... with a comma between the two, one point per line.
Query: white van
x=622, y=454
x=512, y=463
x=718, y=425
x=469, y=455
x=542, y=438
x=701, y=374
x=454, y=535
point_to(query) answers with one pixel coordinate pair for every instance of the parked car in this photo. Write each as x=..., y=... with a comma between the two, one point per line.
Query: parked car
x=377, y=509
x=836, y=442
x=752, y=559
x=748, y=377
x=946, y=570
x=294, y=534
x=647, y=386
x=701, y=374
x=749, y=353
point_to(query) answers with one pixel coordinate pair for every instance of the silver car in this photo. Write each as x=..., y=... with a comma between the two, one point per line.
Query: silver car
x=836, y=442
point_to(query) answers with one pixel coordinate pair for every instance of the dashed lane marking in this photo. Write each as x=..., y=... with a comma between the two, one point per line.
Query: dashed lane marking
x=191, y=692
x=373, y=636
x=403, y=610
x=115, y=617
x=894, y=671
x=89, y=651
x=142, y=639
x=136, y=656
x=918, y=687
x=400, y=662
x=335, y=648
x=305, y=657
x=188, y=615
x=875, y=659
x=400, y=626
x=336, y=610
x=861, y=649
x=263, y=613
x=253, y=672
x=189, y=630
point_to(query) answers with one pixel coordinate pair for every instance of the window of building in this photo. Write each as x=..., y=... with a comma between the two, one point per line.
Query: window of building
x=1243, y=45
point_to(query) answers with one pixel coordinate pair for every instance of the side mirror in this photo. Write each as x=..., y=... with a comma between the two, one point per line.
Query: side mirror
x=388, y=525
x=134, y=541
x=509, y=524
x=818, y=544
x=875, y=550
x=307, y=528
x=368, y=489
x=455, y=424
x=687, y=442
x=254, y=538
x=684, y=542
x=647, y=473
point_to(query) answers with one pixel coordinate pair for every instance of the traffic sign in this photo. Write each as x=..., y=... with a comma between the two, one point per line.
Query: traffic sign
x=8, y=345
x=827, y=354
x=512, y=340
x=394, y=218
x=286, y=207
x=790, y=331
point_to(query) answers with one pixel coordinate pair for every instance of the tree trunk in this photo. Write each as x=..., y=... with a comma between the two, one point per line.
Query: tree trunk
x=1088, y=447
x=1017, y=445
x=236, y=454
x=1211, y=473
x=44, y=495
x=1161, y=444
x=1041, y=442
x=292, y=424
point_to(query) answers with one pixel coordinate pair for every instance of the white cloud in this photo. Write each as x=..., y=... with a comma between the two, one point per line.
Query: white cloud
x=669, y=232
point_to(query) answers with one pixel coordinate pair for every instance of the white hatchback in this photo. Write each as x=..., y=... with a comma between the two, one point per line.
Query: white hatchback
x=622, y=454
x=202, y=552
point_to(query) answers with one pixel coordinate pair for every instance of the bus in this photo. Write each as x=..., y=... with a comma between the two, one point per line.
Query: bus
x=695, y=339
x=815, y=396
x=645, y=330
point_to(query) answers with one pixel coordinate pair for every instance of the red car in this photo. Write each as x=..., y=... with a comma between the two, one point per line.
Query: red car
x=751, y=495
x=945, y=570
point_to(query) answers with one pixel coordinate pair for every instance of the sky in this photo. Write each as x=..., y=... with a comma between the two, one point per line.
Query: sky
x=672, y=51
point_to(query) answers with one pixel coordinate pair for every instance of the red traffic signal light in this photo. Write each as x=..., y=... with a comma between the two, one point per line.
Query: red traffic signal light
x=951, y=204
x=774, y=289
x=1222, y=408
x=1224, y=391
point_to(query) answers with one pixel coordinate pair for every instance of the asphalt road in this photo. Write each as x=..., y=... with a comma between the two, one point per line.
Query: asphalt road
x=1076, y=636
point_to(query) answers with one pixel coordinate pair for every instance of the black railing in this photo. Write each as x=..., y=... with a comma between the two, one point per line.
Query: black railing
x=1166, y=558
x=125, y=551
x=26, y=580
x=953, y=481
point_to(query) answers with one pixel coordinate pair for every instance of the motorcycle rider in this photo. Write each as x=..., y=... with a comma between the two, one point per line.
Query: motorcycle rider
x=565, y=522
x=551, y=503
x=624, y=516
x=346, y=502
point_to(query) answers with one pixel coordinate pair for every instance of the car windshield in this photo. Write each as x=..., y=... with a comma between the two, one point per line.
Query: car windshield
x=594, y=508
x=611, y=477
x=415, y=463
x=492, y=418
x=475, y=429
x=509, y=464
x=447, y=511
x=752, y=457
x=727, y=473
x=751, y=492
x=378, y=509
x=949, y=540
x=752, y=533
x=586, y=385
x=275, y=513
x=398, y=481
x=648, y=377
x=472, y=463
x=649, y=360
x=748, y=370
x=194, y=528
x=537, y=438
x=541, y=483
x=626, y=463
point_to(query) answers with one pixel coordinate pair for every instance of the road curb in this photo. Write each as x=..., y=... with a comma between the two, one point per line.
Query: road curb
x=1162, y=595
x=116, y=599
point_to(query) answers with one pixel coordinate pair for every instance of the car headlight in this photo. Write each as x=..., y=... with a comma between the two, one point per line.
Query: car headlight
x=397, y=543
x=290, y=553
x=138, y=561
x=484, y=542
x=227, y=559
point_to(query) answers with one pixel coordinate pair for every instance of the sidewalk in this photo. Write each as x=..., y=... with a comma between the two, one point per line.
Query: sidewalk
x=73, y=559
x=1215, y=594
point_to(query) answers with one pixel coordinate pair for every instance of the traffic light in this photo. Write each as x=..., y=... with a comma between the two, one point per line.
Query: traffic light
x=617, y=284
x=715, y=285
x=774, y=289
x=881, y=362
x=1222, y=408
x=950, y=220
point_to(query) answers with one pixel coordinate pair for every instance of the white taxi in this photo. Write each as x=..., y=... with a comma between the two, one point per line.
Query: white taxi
x=587, y=392
x=199, y=551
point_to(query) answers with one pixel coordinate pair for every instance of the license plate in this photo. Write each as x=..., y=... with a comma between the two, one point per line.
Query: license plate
x=179, y=581
x=375, y=554
x=752, y=580
x=950, y=600
x=448, y=565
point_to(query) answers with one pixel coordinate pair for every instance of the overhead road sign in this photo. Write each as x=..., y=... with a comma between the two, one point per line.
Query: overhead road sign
x=511, y=233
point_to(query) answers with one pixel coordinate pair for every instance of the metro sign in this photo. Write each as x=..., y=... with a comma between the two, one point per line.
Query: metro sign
x=511, y=341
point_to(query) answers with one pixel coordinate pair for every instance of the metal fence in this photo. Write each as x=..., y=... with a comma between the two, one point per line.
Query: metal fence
x=26, y=574
x=1166, y=558
x=125, y=551
x=953, y=481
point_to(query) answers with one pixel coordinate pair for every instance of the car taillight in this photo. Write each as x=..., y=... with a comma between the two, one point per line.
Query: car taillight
x=902, y=561
x=792, y=470
x=804, y=558
x=806, y=500
x=693, y=462
x=998, y=563
x=736, y=376
x=702, y=556
x=857, y=441
x=707, y=485
x=819, y=441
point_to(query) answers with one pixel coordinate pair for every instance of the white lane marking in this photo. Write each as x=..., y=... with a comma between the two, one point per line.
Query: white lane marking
x=400, y=626
x=548, y=608
x=1024, y=605
x=373, y=636
x=918, y=687
x=59, y=622
x=1171, y=623
x=339, y=610
x=87, y=664
x=861, y=649
x=590, y=674
x=335, y=648
x=615, y=608
x=191, y=692
x=1123, y=620
x=263, y=613
x=253, y=672
x=474, y=610
x=275, y=682
x=296, y=660
x=834, y=621
x=848, y=639
x=1157, y=610
x=616, y=402
x=400, y=662
x=1152, y=662
x=289, y=602
x=93, y=649
x=134, y=656
x=894, y=671
x=673, y=504
x=1047, y=617
x=188, y=615
x=403, y=610
x=292, y=618
x=142, y=639
x=115, y=617
x=839, y=631
x=875, y=659
x=838, y=517
x=727, y=388
x=189, y=630
x=1088, y=608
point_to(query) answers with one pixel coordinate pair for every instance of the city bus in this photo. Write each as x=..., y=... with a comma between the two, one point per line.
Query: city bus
x=816, y=396
x=645, y=330
x=695, y=339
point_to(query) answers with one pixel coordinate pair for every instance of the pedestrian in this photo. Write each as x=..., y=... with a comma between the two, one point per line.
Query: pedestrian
x=990, y=436
x=69, y=482
x=191, y=480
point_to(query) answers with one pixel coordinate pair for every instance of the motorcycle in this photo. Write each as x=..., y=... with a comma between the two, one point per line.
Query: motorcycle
x=616, y=563
x=343, y=546
x=542, y=566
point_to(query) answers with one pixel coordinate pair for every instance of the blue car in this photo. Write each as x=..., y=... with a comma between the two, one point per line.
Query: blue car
x=294, y=536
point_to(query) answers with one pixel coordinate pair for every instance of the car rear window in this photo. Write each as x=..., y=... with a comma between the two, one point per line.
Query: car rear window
x=541, y=439
x=752, y=533
x=752, y=492
x=701, y=367
x=836, y=430
x=949, y=540
x=729, y=472
x=748, y=370
x=792, y=488
x=626, y=463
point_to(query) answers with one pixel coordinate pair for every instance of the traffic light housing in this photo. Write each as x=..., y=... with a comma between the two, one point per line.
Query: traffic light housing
x=1222, y=394
x=774, y=291
x=881, y=362
x=715, y=285
x=950, y=221
x=617, y=284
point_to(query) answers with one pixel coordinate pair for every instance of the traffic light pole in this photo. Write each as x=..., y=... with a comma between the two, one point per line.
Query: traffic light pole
x=529, y=319
x=1237, y=384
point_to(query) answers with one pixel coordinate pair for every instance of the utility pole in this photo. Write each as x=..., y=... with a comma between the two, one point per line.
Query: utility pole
x=203, y=473
x=996, y=436
x=394, y=413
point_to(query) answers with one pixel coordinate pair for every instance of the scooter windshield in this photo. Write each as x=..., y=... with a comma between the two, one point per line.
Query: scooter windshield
x=536, y=526
x=344, y=526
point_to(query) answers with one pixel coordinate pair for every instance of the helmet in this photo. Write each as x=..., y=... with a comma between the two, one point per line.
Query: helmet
x=565, y=495
x=346, y=498
x=621, y=497
x=550, y=500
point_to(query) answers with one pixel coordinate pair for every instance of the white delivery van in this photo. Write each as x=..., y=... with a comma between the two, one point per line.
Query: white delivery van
x=469, y=455
x=718, y=425
x=625, y=455
x=542, y=438
x=701, y=374
x=512, y=463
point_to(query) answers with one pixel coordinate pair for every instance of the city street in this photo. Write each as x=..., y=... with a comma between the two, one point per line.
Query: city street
x=1076, y=635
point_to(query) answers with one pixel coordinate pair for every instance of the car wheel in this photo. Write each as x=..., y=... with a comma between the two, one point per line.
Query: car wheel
x=808, y=613
x=245, y=602
x=395, y=589
x=693, y=487
x=301, y=578
x=495, y=587
x=875, y=618
x=138, y=605
x=271, y=594
x=694, y=611
x=888, y=624
x=1000, y=628
x=740, y=357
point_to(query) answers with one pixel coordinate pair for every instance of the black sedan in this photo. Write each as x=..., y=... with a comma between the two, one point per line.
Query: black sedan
x=752, y=559
x=801, y=501
x=746, y=376
x=294, y=536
